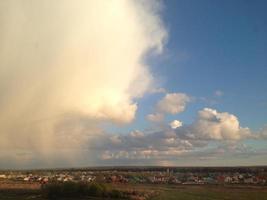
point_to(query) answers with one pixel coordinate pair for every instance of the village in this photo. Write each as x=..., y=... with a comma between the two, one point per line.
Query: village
x=163, y=176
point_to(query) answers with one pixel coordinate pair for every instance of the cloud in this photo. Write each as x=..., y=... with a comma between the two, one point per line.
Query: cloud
x=175, y=124
x=234, y=147
x=115, y=139
x=81, y=57
x=218, y=93
x=213, y=137
x=262, y=134
x=213, y=125
x=158, y=90
x=157, y=117
x=173, y=103
x=145, y=146
x=137, y=134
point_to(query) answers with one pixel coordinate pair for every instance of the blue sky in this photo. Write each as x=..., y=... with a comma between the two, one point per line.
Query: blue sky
x=216, y=45
x=213, y=46
x=226, y=45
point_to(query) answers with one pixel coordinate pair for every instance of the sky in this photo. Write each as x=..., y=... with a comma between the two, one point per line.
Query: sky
x=125, y=82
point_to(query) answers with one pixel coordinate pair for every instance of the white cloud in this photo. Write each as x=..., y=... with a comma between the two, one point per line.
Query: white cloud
x=157, y=117
x=137, y=134
x=212, y=136
x=115, y=139
x=173, y=103
x=219, y=126
x=78, y=56
x=175, y=124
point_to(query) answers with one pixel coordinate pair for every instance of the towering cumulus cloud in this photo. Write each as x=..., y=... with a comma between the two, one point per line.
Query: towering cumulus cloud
x=77, y=61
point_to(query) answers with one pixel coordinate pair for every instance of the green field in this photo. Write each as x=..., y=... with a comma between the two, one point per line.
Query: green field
x=211, y=193
x=204, y=192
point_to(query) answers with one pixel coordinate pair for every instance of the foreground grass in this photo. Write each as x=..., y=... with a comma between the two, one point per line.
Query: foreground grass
x=164, y=192
x=20, y=194
x=29, y=196
x=60, y=191
x=211, y=193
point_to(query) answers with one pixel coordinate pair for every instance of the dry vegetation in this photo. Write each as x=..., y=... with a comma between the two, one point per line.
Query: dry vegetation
x=23, y=191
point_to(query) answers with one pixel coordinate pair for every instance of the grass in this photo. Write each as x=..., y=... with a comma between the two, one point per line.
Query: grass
x=164, y=192
x=19, y=194
x=211, y=193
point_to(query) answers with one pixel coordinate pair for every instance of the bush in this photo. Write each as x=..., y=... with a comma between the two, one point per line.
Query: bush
x=116, y=194
x=51, y=190
x=55, y=190
x=96, y=190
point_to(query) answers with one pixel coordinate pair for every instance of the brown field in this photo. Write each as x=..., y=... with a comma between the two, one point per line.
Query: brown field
x=6, y=185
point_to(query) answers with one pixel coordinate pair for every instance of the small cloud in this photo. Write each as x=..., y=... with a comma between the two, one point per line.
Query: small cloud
x=137, y=134
x=115, y=139
x=158, y=90
x=263, y=133
x=175, y=124
x=157, y=117
x=106, y=155
x=173, y=103
x=218, y=93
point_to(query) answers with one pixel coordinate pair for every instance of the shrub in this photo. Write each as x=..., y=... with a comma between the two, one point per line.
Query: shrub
x=51, y=190
x=116, y=194
x=55, y=190
x=96, y=190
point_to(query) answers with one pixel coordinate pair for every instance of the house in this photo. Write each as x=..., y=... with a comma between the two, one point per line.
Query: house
x=220, y=179
x=227, y=179
x=249, y=180
x=3, y=176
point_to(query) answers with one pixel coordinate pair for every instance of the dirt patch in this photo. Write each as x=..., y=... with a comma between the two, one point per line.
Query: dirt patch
x=10, y=185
